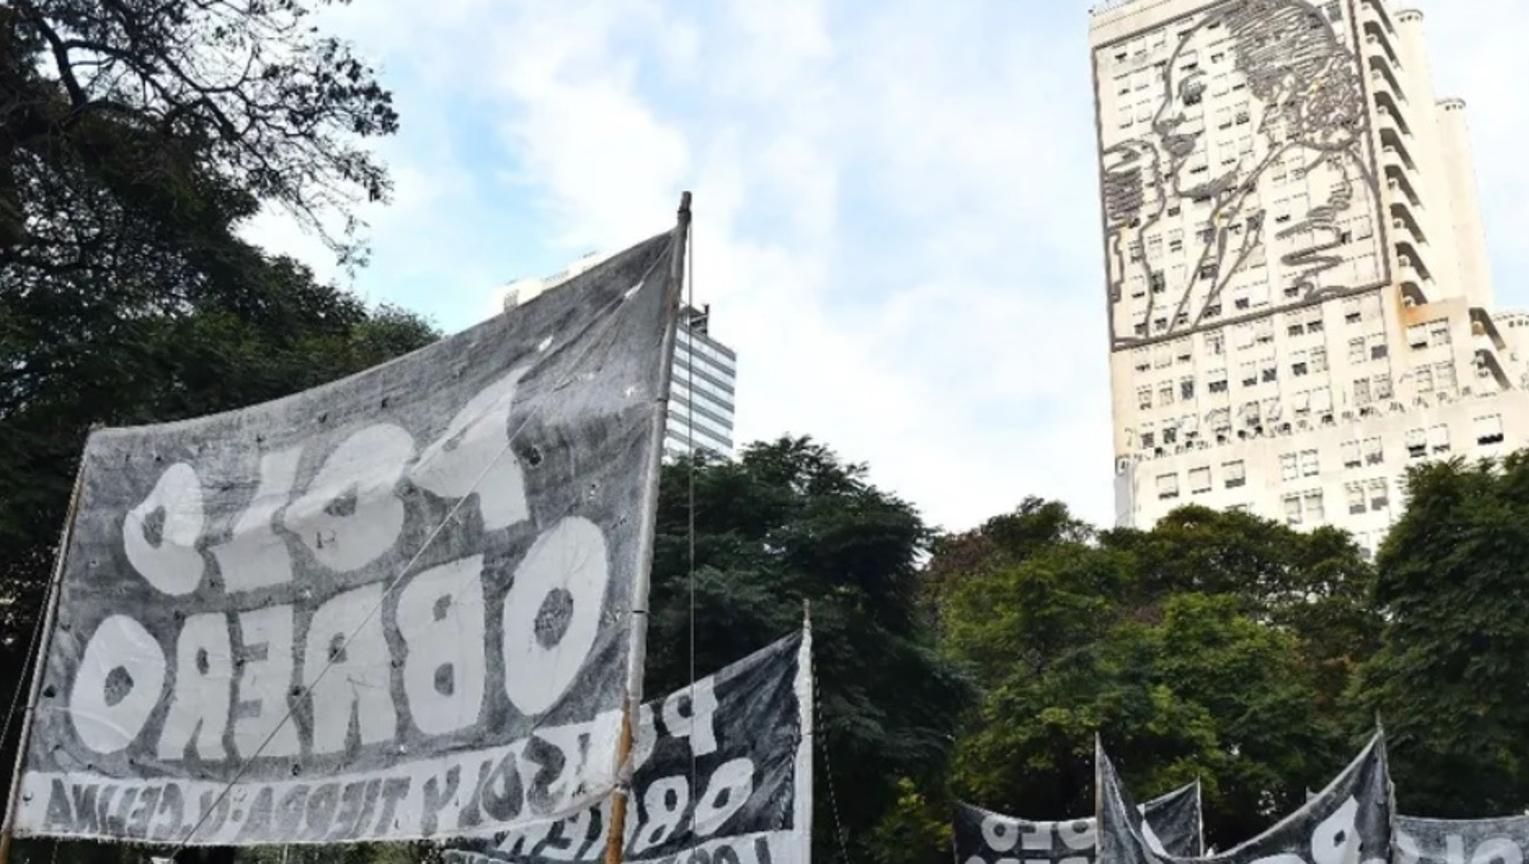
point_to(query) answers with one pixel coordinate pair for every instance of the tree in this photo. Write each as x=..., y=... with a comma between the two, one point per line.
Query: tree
x=1449, y=677
x=1197, y=649
x=790, y=521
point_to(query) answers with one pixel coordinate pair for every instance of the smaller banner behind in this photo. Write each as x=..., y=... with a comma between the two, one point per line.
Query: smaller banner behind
x=742, y=735
x=984, y=837
x=1462, y=841
x=1349, y=822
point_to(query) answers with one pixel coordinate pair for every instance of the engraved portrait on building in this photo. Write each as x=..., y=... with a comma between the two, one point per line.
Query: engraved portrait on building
x=1237, y=171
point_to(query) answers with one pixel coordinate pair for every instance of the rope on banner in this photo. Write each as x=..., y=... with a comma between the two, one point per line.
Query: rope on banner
x=828, y=773
x=24, y=679
x=690, y=462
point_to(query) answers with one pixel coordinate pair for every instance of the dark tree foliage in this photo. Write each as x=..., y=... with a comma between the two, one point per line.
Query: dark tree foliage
x=135, y=137
x=791, y=522
x=1450, y=677
x=1216, y=645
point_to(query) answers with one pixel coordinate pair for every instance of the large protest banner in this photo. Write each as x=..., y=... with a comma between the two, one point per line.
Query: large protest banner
x=397, y=606
x=1349, y=822
x=1461, y=841
x=1173, y=822
x=743, y=737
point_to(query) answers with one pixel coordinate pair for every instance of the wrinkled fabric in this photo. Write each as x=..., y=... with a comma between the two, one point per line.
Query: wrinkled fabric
x=397, y=606
x=743, y=735
x=983, y=837
x=1349, y=822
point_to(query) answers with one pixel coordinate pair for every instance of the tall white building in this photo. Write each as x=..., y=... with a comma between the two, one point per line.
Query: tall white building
x=701, y=389
x=1300, y=301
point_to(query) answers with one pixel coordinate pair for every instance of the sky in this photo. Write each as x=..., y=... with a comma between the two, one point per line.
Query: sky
x=895, y=218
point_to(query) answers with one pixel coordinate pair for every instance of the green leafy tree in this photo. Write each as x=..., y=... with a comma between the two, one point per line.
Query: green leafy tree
x=1449, y=679
x=791, y=522
x=1198, y=649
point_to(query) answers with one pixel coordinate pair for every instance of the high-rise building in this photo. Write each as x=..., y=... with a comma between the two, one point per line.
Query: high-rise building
x=701, y=389
x=1300, y=301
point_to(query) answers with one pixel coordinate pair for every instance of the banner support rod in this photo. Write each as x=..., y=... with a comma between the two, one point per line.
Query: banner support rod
x=615, y=840
x=39, y=663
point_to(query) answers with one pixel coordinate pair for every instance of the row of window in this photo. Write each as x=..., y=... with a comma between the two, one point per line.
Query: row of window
x=1431, y=334
x=1356, y=453
x=1234, y=475
x=707, y=350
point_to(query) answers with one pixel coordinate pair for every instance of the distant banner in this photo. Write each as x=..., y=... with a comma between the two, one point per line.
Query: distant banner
x=1349, y=822
x=1173, y=822
x=1462, y=841
x=393, y=607
x=744, y=733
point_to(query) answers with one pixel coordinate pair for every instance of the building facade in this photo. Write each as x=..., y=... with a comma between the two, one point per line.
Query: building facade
x=1300, y=301
x=701, y=389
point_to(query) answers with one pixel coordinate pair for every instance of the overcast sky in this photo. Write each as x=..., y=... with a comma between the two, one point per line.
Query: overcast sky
x=895, y=219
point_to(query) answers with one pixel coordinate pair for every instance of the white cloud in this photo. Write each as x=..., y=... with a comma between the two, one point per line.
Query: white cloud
x=896, y=211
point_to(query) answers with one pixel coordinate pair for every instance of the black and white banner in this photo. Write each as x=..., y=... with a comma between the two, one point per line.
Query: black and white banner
x=1462, y=841
x=743, y=735
x=1172, y=822
x=393, y=607
x=1349, y=822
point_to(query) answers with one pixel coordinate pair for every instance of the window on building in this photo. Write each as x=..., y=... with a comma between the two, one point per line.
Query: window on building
x=1422, y=380
x=1417, y=443
x=1170, y=435
x=1167, y=486
x=1322, y=400
x=1314, y=320
x=1362, y=391
x=1438, y=332
x=1310, y=466
x=1351, y=458
x=1270, y=372
x=1374, y=451
x=1144, y=398
x=1165, y=394
x=1444, y=378
x=1380, y=495
x=1438, y=438
x=1356, y=352
x=1381, y=387
x=1183, y=350
x=1319, y=360
x=1250, y=374
x=1199, y=480
x=1315, y=513
x=1215, y=344
x=1417, y=337
x=1217, y=382
x=1263, y=331
x=1143, y=359
x=1489, y=430
x=1299, y=365
x=1378, y=349
x=1148, y=437
x=1296, y=327
x=1357, y=502
x=1300, y=403
x=1235, y=474
x=1292, y=509
x=1289, y=467
x=1351, y=311
x=1187, y=389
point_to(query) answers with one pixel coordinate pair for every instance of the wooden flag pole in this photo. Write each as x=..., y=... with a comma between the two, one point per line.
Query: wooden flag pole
x=44, y=642
x=615, y=840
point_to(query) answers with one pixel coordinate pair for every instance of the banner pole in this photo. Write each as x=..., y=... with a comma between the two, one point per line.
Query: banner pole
x=615, y=841
x=50, y=608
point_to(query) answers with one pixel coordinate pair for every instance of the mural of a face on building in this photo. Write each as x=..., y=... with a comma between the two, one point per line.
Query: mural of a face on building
x=1301, y=114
